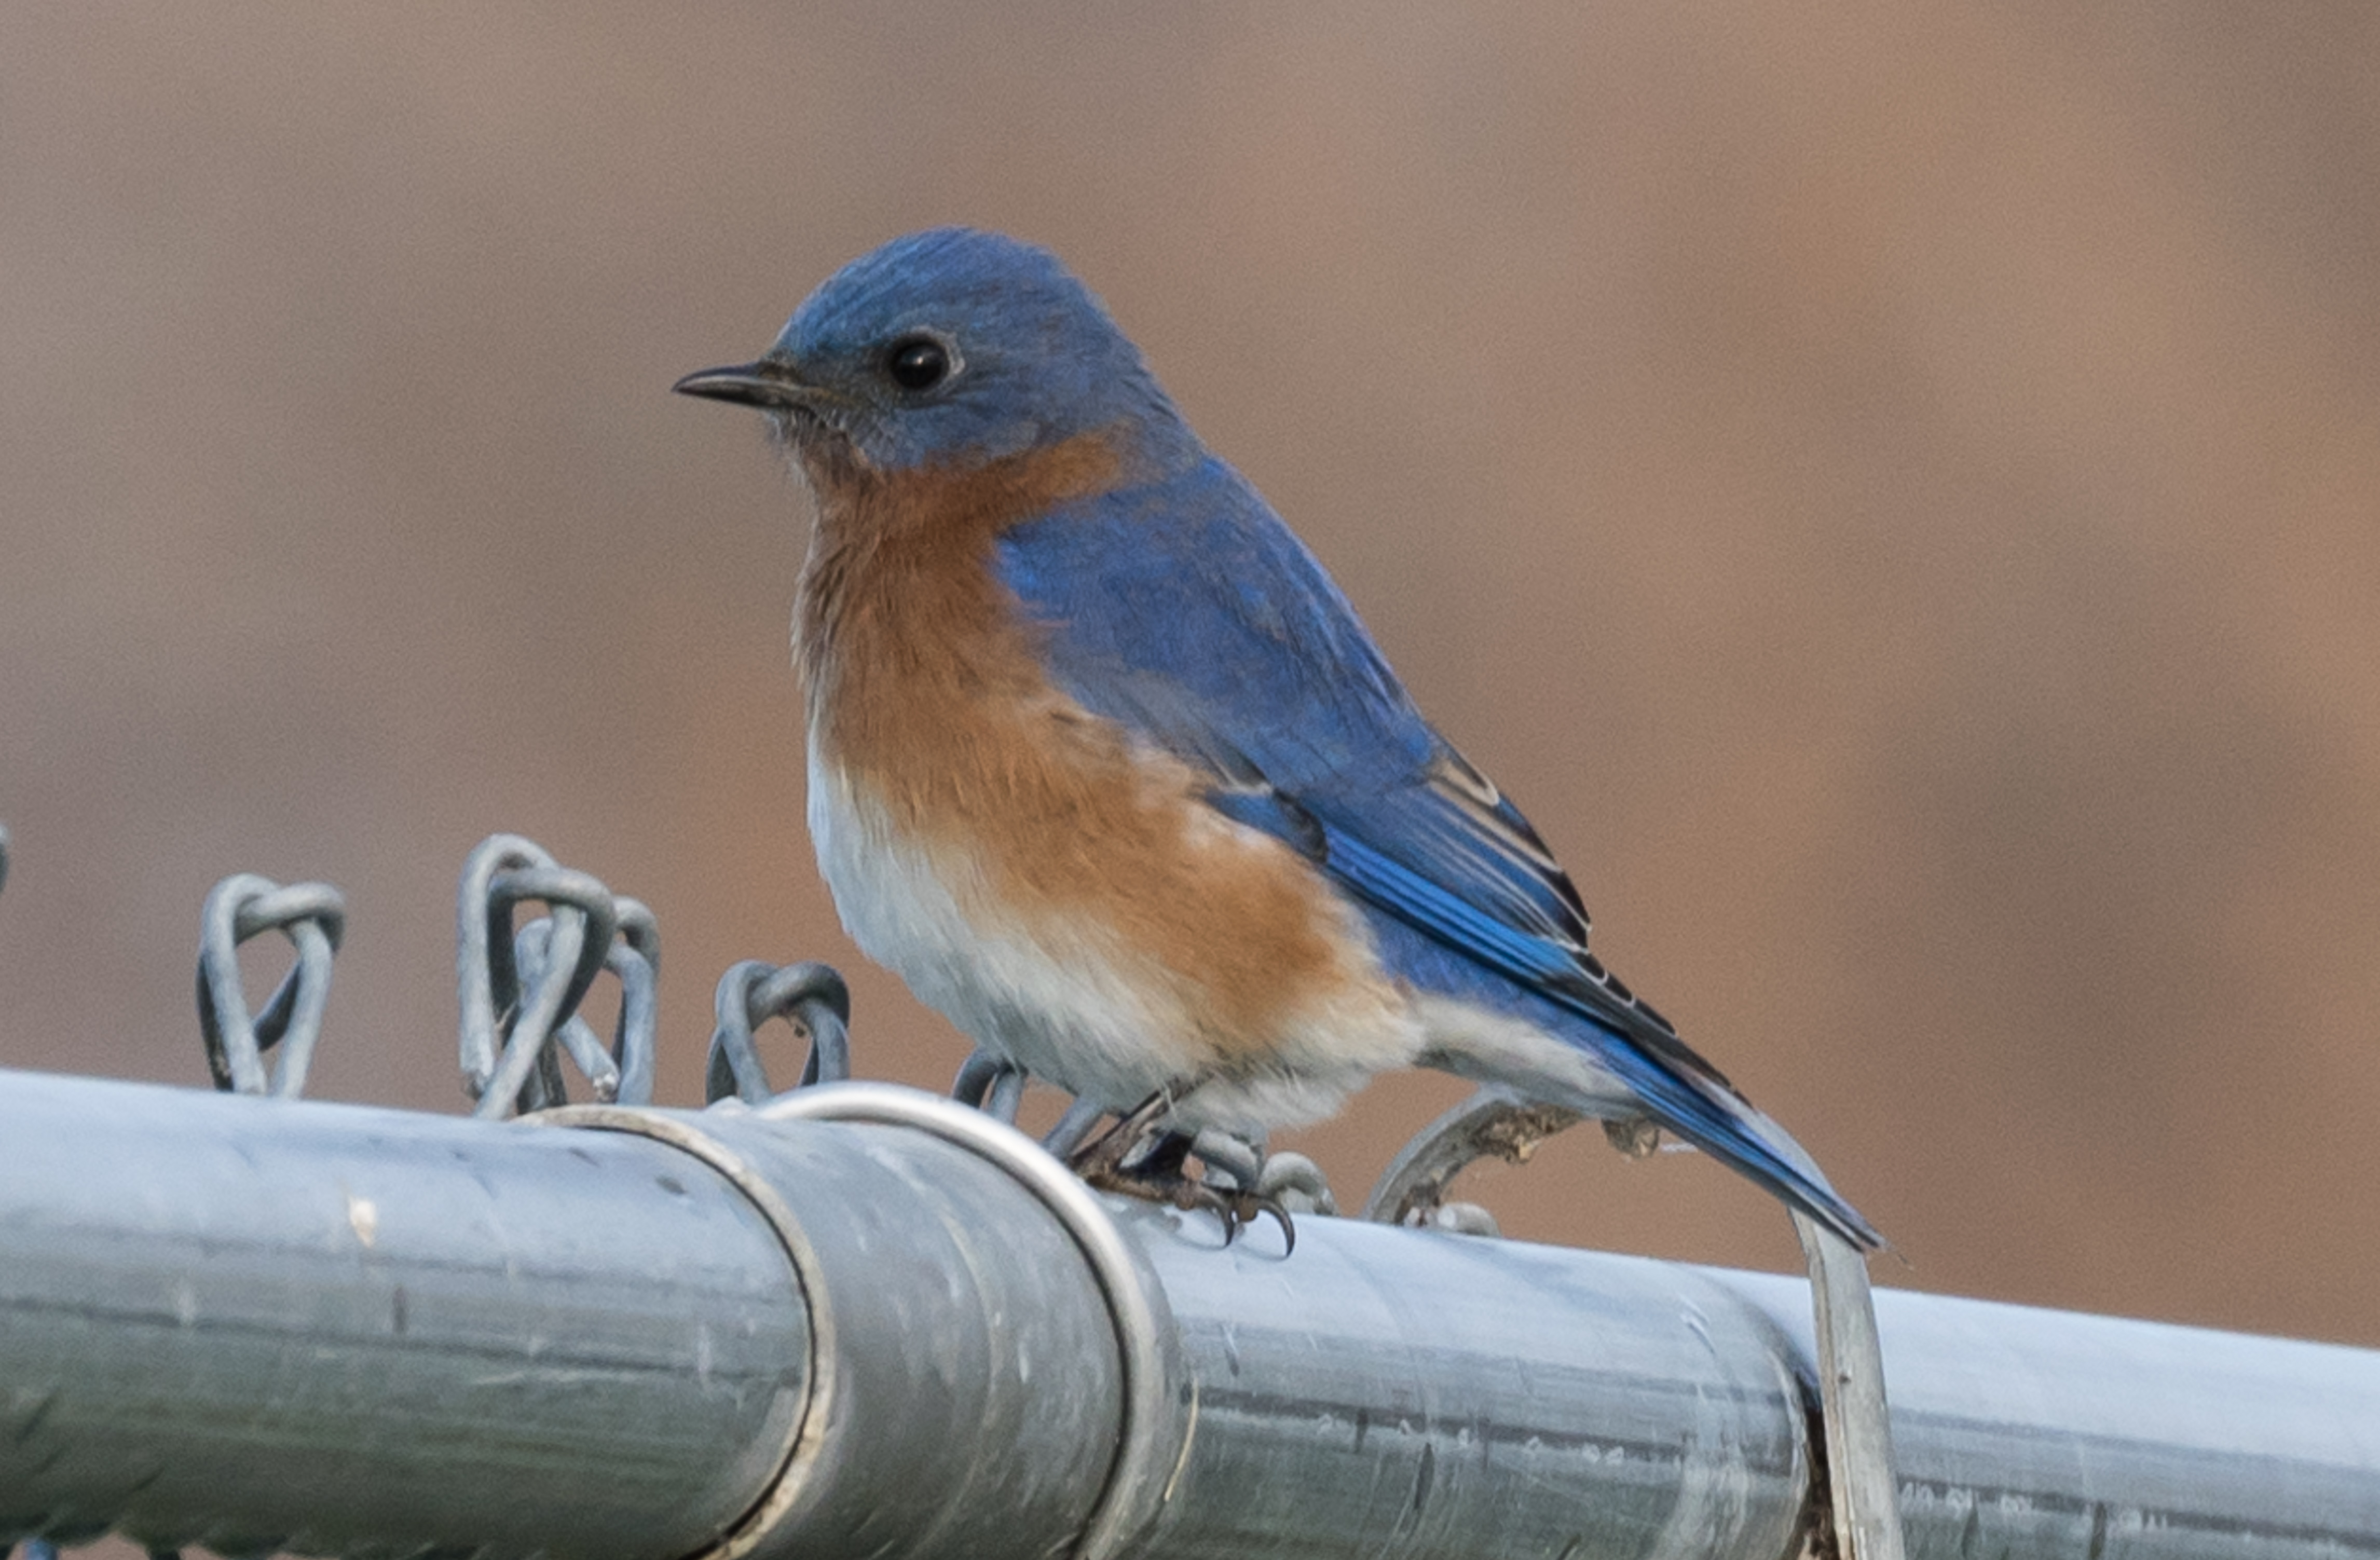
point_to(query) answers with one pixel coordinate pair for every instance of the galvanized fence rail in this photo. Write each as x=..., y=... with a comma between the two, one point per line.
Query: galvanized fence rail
x=853, y=1320
x=863, y=1321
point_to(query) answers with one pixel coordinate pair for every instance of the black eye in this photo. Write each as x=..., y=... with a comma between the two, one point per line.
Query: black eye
x=919, y=362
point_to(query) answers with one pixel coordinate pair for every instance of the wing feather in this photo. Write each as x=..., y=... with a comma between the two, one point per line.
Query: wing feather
x=1189, y=615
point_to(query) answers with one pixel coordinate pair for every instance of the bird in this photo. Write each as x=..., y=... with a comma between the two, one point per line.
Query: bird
x=1104, y=766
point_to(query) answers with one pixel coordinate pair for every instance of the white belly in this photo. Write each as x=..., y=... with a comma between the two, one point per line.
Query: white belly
x=1063, y=998
x=1051, y=1001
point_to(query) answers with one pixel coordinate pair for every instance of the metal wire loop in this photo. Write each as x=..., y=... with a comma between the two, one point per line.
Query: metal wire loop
x=313, y=917
x=623, y=1074
x=1491, y=1123
x=635, y=960
x=519, y=991
x=1074, y=1128
x=810, y=997
x=1296, y=1183
x=993, y=1085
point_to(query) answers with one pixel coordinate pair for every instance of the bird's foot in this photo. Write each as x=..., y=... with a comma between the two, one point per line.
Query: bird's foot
x=1138, y=1158
x=1177, y=1187
x=1130, y=1138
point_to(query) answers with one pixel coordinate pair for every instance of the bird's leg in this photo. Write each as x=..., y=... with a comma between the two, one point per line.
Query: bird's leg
x=1139, y=1158
x=1103, y=1156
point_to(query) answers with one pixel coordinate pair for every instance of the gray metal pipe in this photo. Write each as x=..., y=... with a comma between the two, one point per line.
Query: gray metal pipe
x=259, y=1323
x=2019, y=1431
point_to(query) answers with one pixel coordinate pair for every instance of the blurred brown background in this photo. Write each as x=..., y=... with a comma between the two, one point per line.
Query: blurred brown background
x=1894, y=491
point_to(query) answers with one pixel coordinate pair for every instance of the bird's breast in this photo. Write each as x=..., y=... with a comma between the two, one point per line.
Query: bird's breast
x=1031, y=869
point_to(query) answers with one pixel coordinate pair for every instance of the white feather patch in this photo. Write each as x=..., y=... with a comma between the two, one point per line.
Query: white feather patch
x=1065, y=1000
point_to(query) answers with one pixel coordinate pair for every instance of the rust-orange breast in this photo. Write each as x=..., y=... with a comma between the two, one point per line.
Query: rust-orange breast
x=927, y=697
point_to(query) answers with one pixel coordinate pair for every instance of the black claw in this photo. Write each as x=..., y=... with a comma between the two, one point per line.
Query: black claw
x=1248, y=1205
x=1190, y=1196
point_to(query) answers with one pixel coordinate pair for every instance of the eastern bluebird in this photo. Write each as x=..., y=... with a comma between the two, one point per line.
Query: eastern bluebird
x=1104, y=766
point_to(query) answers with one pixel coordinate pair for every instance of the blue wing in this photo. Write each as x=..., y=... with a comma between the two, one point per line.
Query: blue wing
x=1187, y=613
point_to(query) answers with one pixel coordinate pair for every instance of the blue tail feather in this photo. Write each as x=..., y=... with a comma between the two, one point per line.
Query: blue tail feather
x=1477, y=949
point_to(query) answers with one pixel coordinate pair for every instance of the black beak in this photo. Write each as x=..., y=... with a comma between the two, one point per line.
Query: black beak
x=766, y=385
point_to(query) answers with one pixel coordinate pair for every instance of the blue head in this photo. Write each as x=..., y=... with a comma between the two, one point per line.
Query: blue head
x=952, y=348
